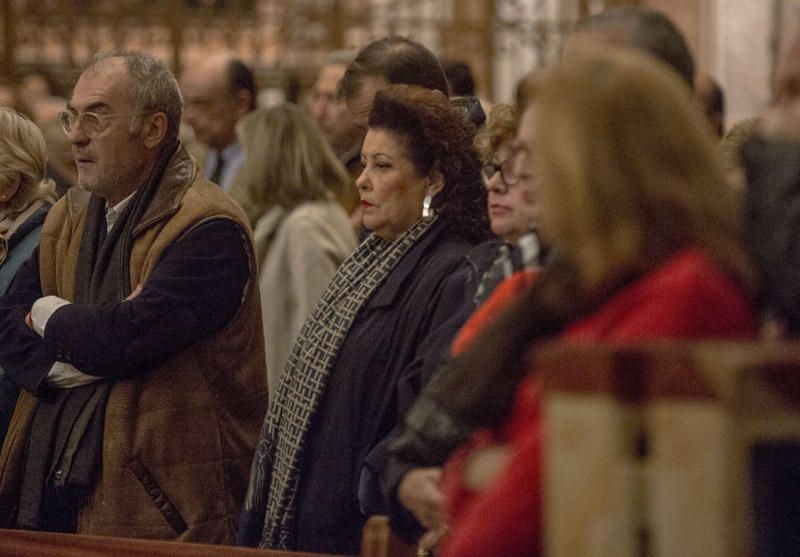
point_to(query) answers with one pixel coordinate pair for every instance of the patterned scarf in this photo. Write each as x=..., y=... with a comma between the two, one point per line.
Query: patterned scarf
x=275, y=475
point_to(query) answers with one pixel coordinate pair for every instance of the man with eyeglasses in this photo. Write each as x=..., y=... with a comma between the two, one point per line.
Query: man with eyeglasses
x=134, y=331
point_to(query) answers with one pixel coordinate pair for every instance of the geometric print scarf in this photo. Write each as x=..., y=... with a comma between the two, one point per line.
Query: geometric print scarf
x=269, y=508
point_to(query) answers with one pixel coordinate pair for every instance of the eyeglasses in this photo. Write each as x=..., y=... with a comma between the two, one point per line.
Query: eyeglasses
x=91, y=123
x=506, y=170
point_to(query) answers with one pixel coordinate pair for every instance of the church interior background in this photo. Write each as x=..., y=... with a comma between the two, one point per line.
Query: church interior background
x=736, y=41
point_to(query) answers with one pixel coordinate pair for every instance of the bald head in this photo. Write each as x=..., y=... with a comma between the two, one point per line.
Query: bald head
x=217, y=91
x=641, y=28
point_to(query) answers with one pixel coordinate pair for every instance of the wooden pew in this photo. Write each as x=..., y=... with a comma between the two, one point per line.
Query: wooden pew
x=378, y=541
x=20, y=543
x=654, y=449
x=664, y=449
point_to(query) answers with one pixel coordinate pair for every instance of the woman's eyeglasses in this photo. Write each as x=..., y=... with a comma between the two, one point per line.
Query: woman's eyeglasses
x=506, y=170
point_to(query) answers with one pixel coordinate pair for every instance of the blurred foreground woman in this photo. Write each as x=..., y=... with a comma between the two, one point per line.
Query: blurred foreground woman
x=645, y=232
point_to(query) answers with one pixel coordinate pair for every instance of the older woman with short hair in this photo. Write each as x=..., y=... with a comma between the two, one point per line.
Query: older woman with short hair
x=512, y=207
x=377, y=333
x=26, y=194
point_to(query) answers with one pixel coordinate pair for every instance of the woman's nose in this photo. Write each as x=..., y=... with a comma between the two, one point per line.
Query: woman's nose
x=361, y=181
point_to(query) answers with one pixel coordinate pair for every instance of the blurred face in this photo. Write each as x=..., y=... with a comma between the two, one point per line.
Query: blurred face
x=391, y=191
x=522, y=152
x=512, y=206
x=360, y=105
x=783, y=117
x=209, y=106
x=6, y=96
x=114, y=162
x=332, y=114
x=35, y=87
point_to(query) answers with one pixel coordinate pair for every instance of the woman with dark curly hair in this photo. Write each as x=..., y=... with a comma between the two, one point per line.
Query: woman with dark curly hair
x=378, y=332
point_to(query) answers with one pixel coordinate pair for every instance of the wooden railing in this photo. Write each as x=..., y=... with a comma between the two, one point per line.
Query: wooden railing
x=20, y=543
x=378, y=541
x=669, y=449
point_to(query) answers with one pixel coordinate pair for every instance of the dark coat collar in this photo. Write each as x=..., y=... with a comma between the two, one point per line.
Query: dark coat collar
x=438, y=234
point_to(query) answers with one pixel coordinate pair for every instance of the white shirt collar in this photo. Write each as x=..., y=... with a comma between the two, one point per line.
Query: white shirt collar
x=113, y=213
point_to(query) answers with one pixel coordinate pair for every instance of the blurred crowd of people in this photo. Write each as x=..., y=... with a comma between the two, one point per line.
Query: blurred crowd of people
x=225, y=323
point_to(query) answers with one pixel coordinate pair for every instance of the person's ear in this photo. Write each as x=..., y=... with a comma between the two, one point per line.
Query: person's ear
x=244, y=101
x=10, y=187
x=435, y=182
x=154, y=129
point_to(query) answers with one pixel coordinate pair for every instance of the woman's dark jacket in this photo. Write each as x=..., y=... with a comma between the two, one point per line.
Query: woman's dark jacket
x=773, y=224
x=392, y=348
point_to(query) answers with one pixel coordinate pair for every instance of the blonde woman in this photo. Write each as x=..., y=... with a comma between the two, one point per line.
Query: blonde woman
x=646, y=232
x=26, y=194
x=302, y=234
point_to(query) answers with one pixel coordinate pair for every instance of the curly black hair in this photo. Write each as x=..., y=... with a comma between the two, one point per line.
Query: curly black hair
x=438, y=137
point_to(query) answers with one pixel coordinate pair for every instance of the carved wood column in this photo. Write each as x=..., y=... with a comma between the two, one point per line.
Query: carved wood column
x=9, y=40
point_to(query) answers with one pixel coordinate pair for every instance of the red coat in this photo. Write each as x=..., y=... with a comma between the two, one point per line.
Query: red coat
x=687, y=297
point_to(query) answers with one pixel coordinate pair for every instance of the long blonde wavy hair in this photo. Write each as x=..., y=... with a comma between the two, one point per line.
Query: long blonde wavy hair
x=23, y=153
x=287, y=160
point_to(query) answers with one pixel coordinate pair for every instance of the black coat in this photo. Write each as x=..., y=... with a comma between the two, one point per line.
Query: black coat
x=773, y=224
x=393, y=346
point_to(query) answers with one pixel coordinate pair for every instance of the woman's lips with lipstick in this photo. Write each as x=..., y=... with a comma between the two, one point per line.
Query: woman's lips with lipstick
x=366, y=204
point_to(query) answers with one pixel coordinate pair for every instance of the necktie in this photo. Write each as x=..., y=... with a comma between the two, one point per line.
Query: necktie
x=216, y=176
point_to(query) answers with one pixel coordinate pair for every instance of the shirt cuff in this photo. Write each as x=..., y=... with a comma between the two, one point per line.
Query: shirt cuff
x=66, y=376
x=42, y=309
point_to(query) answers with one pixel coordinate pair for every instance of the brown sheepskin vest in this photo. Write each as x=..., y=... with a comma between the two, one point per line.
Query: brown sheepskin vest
x=178, y=440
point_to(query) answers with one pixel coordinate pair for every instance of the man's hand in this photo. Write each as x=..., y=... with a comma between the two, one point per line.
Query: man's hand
x=420, y=493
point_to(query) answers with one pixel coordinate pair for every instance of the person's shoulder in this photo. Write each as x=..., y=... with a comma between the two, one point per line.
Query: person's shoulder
x=692, y=281
x=482, y=255
x=448, y=245
x=208, y=198
x=317, y=213
x=689, y=269
x=73, y=204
